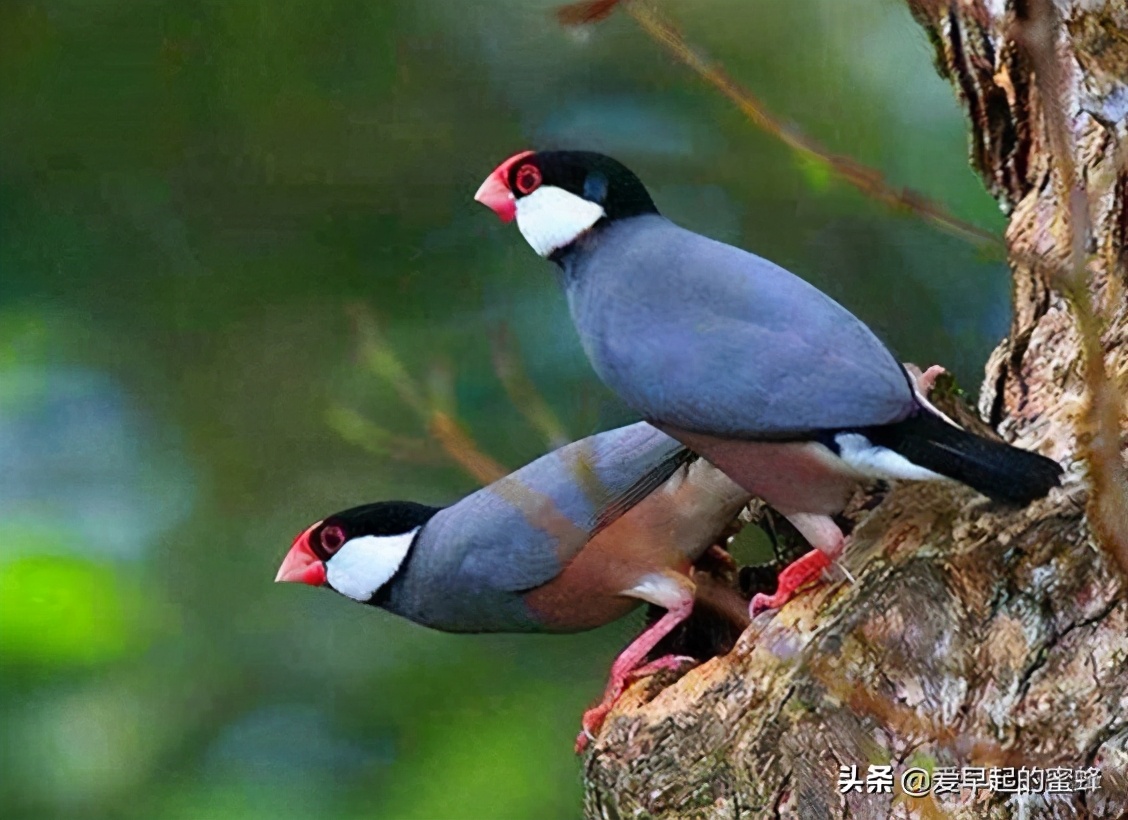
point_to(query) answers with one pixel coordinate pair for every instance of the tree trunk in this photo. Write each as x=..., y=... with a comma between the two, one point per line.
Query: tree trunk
x=972, y=635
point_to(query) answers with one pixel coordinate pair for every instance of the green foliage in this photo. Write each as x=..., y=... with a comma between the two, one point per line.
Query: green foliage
x=63, y=611
x=816, y=172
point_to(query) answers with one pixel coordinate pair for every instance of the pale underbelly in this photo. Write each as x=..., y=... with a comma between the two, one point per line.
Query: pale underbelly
x=792, y=477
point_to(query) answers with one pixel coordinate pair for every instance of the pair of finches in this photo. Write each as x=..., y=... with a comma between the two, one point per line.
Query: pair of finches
x=752, y=382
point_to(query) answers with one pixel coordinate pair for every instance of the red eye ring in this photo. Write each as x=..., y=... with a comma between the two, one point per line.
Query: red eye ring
x=332, y=539
x=528, y=179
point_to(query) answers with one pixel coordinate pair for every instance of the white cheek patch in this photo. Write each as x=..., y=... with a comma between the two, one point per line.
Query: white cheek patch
x=363, y=565
x=550, y=218
x=879, y=462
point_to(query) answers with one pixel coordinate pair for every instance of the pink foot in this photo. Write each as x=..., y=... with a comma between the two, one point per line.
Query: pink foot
x=593, y=718
x=924, y=381
x=629, y=663
x=928, y=378
x=794, y=575
x=923, y=384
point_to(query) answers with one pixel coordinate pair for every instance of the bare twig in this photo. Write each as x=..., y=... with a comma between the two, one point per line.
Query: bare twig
x=434, y=407
x=463, y=450
x=434, y=404
x=522, y=393
x=372, y=438
x=868, y=180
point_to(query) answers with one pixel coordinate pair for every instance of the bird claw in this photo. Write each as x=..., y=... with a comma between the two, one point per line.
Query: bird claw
x=593, y=718
x=923, y=384
x=795, y=575
x=591, y=723
x=761, y=602
x=663, y=663
x=926, y=380
x=583, y=740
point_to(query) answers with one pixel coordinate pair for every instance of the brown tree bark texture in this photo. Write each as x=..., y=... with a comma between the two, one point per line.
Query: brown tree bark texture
x=972, y=635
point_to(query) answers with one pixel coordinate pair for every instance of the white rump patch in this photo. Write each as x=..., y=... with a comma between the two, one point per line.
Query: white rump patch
x=550, y=218
x=363, y=565
x=879, y=462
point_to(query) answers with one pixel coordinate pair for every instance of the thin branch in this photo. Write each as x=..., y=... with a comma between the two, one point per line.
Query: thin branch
x=522, y=393
x=379, y=357
x=433, y=406
x=868, y=180
x=463, y=450
x=356, y=429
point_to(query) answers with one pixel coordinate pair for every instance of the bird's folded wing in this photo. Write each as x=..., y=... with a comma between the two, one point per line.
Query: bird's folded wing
x=535, y=520
x=707, y=337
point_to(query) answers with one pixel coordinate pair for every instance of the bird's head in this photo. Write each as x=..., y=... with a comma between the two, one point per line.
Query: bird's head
x=359, y=551
x=557, y=196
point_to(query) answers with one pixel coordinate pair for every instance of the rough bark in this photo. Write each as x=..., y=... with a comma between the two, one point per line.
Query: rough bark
x=972, y=635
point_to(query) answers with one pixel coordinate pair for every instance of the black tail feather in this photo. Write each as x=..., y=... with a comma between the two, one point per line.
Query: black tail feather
x=999, y=471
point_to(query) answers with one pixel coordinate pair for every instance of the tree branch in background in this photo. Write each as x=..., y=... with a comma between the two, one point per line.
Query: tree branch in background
x=434, y=406
x=869, y=181
x=361, y=431
x=522, y=393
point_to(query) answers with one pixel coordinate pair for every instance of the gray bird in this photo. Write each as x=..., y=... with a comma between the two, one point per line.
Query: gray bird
x=746, y=364
x=571, y=541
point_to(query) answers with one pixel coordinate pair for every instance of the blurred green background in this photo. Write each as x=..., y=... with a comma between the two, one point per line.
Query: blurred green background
x=195, y=192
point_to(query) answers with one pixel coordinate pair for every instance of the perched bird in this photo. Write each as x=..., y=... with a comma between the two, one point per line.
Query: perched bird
x=746, y=364
x=572, y=541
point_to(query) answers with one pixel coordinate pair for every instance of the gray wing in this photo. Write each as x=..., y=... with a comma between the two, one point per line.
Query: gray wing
x=520, y=531
x=709, y=338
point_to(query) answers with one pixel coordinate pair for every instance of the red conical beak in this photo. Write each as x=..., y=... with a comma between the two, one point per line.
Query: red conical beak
x=494, y=193
x=300, y=564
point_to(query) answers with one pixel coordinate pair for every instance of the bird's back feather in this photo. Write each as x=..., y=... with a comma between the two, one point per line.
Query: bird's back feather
x=709, y=338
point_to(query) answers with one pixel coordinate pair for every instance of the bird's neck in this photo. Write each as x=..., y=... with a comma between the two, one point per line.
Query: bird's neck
x=566, y=256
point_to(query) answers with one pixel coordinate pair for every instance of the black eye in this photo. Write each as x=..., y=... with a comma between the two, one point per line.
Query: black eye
x=528, y=179
x=332, y=539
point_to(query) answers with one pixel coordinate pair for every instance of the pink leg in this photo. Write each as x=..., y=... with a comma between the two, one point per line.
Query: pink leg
x=626, y=666
x=821, y=533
